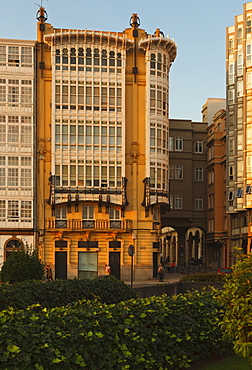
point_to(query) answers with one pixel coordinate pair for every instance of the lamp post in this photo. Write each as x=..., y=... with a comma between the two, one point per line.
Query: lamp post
x=131, y=252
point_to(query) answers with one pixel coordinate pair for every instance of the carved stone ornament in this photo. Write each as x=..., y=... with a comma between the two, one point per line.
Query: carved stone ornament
x=134, y=152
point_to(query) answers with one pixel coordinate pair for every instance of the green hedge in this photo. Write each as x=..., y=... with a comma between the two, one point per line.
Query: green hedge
x=152, y=333
x=205, y=277
x=236, y=298
x=106, y=289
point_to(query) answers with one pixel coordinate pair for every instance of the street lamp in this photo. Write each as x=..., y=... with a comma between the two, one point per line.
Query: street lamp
x=131, y=252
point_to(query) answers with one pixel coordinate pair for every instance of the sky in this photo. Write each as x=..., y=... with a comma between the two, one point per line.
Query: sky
x=197, y=26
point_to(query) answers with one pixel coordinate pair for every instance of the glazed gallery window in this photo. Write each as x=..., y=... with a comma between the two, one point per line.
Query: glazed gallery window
x=16, y=56
x=15, y=171
x=104, y=174
x=89, y=57
x=19, y=209
x=93, y=96
x=26, y=211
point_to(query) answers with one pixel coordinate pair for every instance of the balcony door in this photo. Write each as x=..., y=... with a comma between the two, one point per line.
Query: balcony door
x=114, y=263
x=61, y=265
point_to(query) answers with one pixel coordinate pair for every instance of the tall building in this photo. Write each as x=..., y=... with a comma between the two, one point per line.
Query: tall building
x=102, y=143
x=217, y=242
x=17, y=130
x=184, y=224
x=209, y=109
x=239, y=128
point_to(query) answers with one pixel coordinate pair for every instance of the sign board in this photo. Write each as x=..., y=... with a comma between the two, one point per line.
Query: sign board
x=131, y=250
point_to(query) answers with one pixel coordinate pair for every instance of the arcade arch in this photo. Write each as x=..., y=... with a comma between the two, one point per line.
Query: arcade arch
x=182, y=245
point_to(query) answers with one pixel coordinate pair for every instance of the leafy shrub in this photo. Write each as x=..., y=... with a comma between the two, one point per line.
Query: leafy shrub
x=204, y=277
x=236, y=298
x=110, y=290
x=62, y=292
x=153, y=333
x=22, y=264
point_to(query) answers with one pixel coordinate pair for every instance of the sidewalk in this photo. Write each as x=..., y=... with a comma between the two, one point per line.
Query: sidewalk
x=168, y=279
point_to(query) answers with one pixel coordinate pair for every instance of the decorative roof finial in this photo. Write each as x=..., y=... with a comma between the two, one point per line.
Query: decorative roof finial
x=134, y=21
x=41, y=13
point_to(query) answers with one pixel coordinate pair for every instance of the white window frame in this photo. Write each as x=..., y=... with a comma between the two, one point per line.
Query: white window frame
x=198, y=173
x=239, y=64
x=231, y=96
x=171, y=144
x=114, y=214
x=178, y=202
x=199, y=203
x=178, y=144
x=179, y=172
x=61, y=213
x=88, y=213
x=231, y=73
x=248, y=52
x=199, y=146
x=239, y=88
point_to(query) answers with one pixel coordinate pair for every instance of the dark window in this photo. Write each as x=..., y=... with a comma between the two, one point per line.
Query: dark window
x=60, y=244
x=87, y=244
x=114, y=244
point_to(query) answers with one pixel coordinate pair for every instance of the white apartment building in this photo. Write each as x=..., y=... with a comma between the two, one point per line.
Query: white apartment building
x=16, y=144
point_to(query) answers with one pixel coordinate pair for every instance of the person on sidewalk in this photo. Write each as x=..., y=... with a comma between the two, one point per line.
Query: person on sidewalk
x=161, y=272
x=168, y=266
x=49, y=274
x=173, y=267
x=107, y=270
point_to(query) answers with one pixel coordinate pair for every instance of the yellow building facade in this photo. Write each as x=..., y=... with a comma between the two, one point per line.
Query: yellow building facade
x=102, y=148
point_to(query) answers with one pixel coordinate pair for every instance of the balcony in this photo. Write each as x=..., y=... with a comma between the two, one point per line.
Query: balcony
x=53, y=224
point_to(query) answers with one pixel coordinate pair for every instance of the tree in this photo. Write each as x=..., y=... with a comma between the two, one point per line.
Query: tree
x=236, y=298
x=22, y=264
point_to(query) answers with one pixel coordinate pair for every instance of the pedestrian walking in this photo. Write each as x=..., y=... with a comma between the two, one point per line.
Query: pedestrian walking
x=49, y=274
x=161, y=272
x=107, y=270
x=173, y=267
x=168, y=266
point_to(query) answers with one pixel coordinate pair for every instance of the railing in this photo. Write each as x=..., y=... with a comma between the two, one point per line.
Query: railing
x=98, y=225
